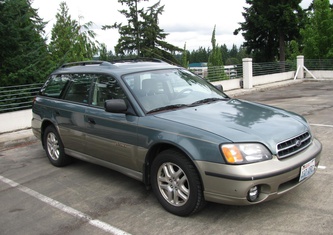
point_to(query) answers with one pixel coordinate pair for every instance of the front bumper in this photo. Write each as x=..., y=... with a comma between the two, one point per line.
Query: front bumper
x=229, y=184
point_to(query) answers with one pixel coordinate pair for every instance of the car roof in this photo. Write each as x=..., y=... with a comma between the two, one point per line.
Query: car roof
x=118, y=67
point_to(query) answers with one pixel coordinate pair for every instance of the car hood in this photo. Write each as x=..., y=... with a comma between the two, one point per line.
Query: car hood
x=241, y=121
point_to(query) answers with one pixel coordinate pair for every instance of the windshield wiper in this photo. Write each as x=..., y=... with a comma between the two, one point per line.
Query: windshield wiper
x=168, y=107
x=177, y=106
x=208, y=100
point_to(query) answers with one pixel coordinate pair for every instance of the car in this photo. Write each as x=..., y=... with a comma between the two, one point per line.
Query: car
x=184, y=138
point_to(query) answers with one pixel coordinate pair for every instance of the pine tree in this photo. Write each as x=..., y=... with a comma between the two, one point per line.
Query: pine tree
x=318, y=33
x=71, y=41
x=142, y=35
x=185, y=62
x=23, y=53
x=269, y=26
x=215, y=64
x=199, y=55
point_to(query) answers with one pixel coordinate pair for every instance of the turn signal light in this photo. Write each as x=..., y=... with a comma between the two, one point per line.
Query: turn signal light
x=232, y=154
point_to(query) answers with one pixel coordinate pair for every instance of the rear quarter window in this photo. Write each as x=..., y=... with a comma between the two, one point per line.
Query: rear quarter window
x=54, y=85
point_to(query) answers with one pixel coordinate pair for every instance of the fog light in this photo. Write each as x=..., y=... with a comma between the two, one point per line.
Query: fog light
x=253, y=194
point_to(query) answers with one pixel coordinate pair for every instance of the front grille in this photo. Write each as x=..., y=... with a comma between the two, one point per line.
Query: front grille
x=294, y=145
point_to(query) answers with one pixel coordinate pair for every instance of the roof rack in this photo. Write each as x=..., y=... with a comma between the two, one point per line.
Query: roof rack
x=138, y=59
x=84, y=63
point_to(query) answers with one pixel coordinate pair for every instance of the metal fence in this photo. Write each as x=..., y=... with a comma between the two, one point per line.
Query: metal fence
x=273, y=67
x=259, y=69
x=14, y=98
x=318, y=64
x=218, y=73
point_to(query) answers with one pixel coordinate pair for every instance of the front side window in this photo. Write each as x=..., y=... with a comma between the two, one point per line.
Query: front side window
x=106, y=88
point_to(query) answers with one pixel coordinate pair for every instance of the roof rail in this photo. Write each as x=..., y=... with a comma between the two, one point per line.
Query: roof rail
x=138, y=59
x=84, y=63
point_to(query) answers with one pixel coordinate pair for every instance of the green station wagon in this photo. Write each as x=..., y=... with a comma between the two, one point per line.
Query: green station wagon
x=174, y=131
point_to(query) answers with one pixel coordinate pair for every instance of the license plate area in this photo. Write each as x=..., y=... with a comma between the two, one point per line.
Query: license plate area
x=307, y=170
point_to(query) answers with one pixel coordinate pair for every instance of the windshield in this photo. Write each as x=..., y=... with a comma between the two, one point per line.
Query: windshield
x=155, y=90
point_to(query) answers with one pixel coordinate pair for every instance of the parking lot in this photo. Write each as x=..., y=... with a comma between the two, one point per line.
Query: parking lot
x=37, y=198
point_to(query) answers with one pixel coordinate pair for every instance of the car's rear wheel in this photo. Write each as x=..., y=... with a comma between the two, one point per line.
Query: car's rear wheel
x=176, y=183
x=54, y=148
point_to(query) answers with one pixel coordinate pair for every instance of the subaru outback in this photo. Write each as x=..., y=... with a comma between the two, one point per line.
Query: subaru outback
x=174, y=131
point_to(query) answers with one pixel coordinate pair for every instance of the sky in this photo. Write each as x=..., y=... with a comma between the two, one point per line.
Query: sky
x=185, y=21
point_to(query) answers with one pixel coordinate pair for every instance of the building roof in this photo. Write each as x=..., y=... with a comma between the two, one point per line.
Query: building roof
x=201, y=64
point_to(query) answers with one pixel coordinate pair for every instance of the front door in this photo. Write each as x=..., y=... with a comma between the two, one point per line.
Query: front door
x=110, y=137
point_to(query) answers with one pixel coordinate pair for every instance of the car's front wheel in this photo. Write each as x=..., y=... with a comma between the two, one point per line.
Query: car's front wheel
x=176, y=183
x=54, y=148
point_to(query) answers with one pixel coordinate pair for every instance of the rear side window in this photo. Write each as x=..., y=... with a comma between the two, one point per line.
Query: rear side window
x=79, y=88
x=87, y=88
x=54, y=85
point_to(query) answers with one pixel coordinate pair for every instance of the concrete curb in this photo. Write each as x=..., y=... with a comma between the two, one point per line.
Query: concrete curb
x=239, y=92
x=16, y=138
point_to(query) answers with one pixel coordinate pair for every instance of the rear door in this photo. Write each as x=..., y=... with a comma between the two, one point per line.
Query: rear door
x=71, y=111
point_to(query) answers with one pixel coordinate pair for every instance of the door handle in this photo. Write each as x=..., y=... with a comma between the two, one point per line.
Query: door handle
x=91, y=120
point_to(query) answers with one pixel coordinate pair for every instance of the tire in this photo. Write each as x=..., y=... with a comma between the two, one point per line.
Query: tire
x=176, y=183
x=54, y=148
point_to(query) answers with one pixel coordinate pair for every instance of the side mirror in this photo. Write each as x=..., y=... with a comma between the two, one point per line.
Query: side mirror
x=115, y=106
x=219, y=87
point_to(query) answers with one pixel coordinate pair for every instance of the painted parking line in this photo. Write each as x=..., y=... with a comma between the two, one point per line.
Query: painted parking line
x=69, y=210
x=321, y=125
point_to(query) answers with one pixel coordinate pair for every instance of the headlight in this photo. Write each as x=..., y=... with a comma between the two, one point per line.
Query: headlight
x=245, y=153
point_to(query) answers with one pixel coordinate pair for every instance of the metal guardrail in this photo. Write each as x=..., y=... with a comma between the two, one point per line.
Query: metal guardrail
x=15, y=98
